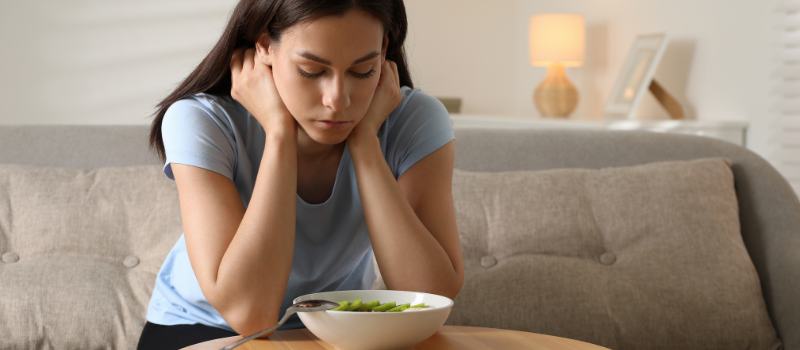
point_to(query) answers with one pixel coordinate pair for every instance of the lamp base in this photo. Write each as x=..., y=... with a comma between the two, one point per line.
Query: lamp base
x=556, y=96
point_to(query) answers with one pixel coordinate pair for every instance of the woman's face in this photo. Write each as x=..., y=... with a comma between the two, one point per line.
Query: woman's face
x=326, y=72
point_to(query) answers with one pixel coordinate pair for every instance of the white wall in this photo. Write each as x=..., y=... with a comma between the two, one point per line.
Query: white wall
x=101, y=62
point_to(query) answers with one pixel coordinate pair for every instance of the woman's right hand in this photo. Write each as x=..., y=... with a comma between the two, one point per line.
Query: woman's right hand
x=252, y=85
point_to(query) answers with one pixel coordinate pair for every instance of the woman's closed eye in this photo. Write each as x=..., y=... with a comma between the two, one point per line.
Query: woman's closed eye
x=309, y=75
x=358, y=75
x=364, y=75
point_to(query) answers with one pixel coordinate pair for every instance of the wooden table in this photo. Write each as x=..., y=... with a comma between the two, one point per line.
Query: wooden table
x=448, y=337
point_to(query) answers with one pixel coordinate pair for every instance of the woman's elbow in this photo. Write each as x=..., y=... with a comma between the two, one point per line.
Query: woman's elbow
x=451, y=288
x=455, y=288
x=245, y=316
x=247, y=320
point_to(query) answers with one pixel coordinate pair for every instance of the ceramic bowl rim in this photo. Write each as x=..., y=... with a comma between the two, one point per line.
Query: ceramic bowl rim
x=450, y=302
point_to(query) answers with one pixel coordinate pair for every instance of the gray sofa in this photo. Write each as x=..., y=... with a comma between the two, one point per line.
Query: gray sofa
x=60, y=299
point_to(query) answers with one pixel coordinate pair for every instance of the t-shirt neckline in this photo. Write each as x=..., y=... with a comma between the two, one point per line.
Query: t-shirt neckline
x=344, y=161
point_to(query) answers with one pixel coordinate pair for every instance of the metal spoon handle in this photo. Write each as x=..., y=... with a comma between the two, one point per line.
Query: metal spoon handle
x=248, y=338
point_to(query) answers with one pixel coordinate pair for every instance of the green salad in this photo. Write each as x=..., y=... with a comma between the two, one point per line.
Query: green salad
x=374, y=306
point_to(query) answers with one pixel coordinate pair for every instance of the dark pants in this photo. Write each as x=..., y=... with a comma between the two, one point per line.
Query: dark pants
x=158, y=337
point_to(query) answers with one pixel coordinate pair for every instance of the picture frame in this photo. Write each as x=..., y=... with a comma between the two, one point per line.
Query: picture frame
x=636, y=76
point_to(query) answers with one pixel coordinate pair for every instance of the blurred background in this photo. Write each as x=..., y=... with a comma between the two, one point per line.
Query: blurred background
x=111, y=61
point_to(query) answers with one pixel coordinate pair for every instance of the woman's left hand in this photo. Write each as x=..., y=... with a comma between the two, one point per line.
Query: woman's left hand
x=386, y=99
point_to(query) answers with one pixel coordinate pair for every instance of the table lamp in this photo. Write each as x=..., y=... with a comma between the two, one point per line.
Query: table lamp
x=557, y=41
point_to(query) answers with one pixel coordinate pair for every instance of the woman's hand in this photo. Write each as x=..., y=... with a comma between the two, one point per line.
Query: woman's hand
x=252, y=85
x=386, y=99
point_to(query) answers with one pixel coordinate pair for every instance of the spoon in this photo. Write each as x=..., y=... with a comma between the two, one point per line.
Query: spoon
x=303, y=306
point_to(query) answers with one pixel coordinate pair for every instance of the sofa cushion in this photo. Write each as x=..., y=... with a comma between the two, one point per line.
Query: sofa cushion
x=642, y=257
x=81, y=250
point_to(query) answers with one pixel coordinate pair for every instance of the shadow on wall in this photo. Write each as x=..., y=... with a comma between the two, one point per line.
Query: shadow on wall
x=674, y=71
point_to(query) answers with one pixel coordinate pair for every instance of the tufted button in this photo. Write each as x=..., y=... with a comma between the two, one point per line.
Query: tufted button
x=608, y=258
x=130, y=261
x=10, y=257
x=488, y=261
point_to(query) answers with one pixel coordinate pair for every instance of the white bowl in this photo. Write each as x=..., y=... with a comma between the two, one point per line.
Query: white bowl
x=347, y=330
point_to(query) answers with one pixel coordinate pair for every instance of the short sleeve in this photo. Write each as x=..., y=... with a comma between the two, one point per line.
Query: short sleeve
x=195, y=135
x=418, y=127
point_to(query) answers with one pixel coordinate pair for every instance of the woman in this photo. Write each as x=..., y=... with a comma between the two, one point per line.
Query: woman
x=297, y=153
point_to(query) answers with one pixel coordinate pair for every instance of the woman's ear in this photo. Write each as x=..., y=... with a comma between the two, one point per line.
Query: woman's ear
x=263, y=52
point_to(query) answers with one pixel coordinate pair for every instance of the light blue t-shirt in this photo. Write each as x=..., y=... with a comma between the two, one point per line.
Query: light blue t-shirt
x=332, y=249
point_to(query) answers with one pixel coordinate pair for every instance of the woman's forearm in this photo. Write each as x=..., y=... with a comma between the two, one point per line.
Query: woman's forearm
x=254, y=271
x=409, y=256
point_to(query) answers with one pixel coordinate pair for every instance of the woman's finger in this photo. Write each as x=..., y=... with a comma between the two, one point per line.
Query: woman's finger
x=249, y=58
x=236, y=61
x=386, y=73
x=270, y=81
x=396, y=73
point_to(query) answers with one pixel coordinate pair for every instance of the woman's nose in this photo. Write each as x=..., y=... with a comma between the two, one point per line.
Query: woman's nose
x=336, y=96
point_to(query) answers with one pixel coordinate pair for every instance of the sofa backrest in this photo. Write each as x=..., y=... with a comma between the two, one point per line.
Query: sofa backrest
x=76, y=146
x=769, y=208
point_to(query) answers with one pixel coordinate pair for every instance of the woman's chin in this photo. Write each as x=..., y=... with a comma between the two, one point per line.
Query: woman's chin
x=327, y=133
x=330, y=137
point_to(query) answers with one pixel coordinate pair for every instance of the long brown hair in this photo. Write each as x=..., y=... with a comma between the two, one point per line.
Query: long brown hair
x=251, y=18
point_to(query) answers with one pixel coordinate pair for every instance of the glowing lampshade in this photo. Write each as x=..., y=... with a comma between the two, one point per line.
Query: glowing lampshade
x=557, y=38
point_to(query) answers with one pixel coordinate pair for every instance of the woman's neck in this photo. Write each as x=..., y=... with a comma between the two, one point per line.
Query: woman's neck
x=313, y=151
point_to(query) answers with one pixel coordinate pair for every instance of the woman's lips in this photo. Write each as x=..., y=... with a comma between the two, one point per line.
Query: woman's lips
x=332, y=125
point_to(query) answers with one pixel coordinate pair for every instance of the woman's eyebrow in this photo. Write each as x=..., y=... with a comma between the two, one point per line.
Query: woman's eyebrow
x=316, y=58
x=366, y=58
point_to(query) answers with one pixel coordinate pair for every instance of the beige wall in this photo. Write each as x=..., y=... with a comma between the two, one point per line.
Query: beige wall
x=100, y=62
x=718, y=64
